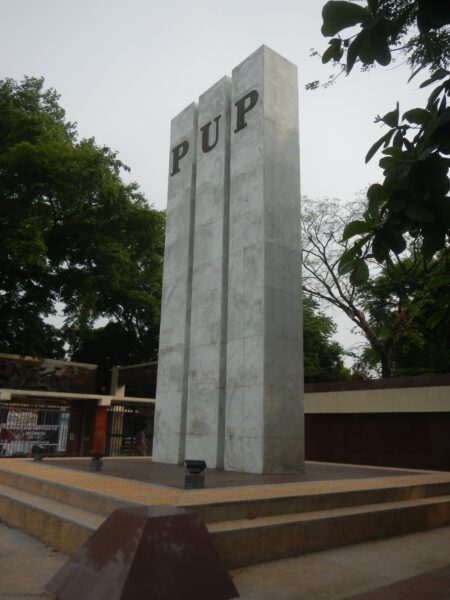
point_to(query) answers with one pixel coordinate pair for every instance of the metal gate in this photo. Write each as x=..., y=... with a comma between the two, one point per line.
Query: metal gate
x=64, y=428
x=130, y=430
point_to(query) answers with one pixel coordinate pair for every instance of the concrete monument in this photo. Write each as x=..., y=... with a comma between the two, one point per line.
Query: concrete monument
x=230, y=381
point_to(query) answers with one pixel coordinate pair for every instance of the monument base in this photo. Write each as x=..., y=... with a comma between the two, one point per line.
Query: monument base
x=251, y=518
x=146, y=552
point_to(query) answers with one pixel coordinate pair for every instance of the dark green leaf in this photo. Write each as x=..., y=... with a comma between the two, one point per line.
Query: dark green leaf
x=381, y=47
x=379, y=248
x=395, y=204
x=398, y=139
x=348, y=255
x=367, y=51
x=355, y=228
x=360, y=273
x=391, y=118
x=338, y=15
x=418, y=212
x=434, y=96
x=432, y=14
x=436, y=318
x=408, y=145
x=376, y=196
x=346, y=267
x=428, y=130
x=395, y=240
x=333, y=52
x=328, y=54
x=418, y=116
x=439, y=281
x=444, y=117
x=432, y=243
x=376, y=193
x=387, y=162
x=346, y=262
x=353, y=51
x=394, y=152
x=385, y=139
x=436, y=76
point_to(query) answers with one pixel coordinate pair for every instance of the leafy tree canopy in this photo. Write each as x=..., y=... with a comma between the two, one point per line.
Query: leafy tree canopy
x=399, y=304
x=323, y=357
x=113, y=345
x=396, y=310
x=413, y=198
x=73, y=234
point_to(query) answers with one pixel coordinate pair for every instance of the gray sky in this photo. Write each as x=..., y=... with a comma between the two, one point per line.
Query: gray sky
x=124, y=68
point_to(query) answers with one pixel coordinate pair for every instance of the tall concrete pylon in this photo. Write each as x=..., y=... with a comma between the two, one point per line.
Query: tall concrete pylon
x=230, y=374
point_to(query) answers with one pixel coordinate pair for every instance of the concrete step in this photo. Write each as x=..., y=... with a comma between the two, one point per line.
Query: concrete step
x=248, y=528
x=211, y=512
x=91, y=501
x=283, y=505
x=251, y=541
x=60, y=526
x=240, y=542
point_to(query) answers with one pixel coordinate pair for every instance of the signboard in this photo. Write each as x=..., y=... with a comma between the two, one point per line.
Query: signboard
x=24, y=428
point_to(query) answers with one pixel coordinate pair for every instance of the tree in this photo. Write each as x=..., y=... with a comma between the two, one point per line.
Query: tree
x=398, y=304
x=72, y=232
x=392, y=310
x=323, y=357
x=322, y=247
x=115, y=344
x=412, y=200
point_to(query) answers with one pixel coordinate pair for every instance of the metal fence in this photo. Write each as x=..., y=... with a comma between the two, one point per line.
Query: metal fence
x=129, y=430
x=64, y=428
x=67, y=428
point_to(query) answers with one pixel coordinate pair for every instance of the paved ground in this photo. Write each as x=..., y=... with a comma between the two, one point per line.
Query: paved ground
x=146, y=471
x=343, y=572
x=26, y=564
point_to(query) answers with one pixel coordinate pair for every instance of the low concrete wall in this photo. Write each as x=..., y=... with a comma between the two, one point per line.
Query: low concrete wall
x=396, y=423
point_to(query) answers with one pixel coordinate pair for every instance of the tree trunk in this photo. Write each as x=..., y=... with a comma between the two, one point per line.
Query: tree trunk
x=386, y=367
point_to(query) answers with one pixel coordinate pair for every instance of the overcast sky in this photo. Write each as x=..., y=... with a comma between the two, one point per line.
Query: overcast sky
x=124, y=68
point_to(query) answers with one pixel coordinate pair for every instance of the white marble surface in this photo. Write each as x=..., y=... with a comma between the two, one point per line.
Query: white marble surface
x=173, y=361
x=206, y=386
x=264, y=409
x=229, y=380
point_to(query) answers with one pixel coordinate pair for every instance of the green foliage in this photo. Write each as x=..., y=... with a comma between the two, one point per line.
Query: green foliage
x=323, y=357
x=412, y=201
x=403, y=310
x=399, y=304
x=338, y=15
x=419, y=26
x=115, y=344
x=72, y=232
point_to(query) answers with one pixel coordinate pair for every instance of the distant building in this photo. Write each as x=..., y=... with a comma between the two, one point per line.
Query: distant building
x=52, y=403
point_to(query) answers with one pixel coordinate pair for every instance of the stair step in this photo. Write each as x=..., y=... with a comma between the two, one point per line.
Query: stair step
x=283, y=505
x=92, y=501
x=247, y=529
x=211, y=512
x=60, y=526
x=245, y=542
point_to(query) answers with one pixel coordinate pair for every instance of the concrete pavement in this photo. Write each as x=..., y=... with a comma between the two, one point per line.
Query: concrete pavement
x=26, y=565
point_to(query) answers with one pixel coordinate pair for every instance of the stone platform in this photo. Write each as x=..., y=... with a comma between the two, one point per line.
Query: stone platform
x=146, y=471
x=252, y=519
